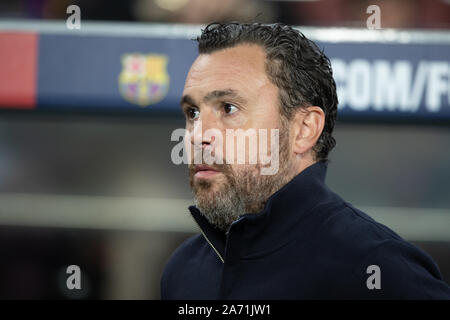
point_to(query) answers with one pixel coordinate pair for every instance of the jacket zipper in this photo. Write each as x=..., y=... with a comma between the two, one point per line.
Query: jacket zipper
x=209, y=242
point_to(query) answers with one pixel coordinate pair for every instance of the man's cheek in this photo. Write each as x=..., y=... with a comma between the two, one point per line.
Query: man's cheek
x=238, y=120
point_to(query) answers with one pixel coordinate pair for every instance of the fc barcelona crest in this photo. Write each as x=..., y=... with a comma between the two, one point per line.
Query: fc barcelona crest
x=144, y=79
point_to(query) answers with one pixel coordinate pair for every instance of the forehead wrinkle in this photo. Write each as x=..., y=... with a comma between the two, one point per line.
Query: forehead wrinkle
x=225, y=80
x=227, y=74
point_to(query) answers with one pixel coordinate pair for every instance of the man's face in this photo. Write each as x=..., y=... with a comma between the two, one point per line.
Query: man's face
x=229, y=89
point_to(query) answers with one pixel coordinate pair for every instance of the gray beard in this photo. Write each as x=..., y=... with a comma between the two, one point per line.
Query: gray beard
x=245, y=190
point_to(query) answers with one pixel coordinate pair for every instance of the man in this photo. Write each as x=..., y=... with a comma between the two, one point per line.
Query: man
x=283, y=235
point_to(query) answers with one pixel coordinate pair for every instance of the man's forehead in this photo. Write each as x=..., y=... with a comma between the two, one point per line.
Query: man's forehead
x=245, y=57
x=243, y=65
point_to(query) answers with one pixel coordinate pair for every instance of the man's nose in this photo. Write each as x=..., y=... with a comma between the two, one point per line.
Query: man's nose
x=205, y=122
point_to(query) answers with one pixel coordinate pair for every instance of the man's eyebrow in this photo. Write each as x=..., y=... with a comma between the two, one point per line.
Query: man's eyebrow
x=187, y=99
x=216, y=94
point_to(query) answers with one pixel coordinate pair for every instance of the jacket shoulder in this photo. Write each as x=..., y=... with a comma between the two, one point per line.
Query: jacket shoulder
x=356, y=245
x=405, y=272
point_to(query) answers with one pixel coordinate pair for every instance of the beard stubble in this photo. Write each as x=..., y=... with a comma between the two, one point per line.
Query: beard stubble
x=244, y=190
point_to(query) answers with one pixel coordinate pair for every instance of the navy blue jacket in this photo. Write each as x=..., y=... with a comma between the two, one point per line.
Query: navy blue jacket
x=307, y=243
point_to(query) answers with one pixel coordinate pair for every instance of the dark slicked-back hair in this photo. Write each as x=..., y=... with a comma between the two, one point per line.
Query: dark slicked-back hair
x=295, y=64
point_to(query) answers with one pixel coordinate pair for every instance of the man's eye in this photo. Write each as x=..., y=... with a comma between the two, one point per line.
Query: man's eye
x=192, y=113
x=229, y=108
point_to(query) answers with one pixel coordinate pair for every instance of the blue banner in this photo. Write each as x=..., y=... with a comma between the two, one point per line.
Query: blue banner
x=106, y=73
x=143, y=69
x=391, y=80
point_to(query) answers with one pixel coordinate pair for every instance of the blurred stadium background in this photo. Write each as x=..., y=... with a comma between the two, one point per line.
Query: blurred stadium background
x=86, y=176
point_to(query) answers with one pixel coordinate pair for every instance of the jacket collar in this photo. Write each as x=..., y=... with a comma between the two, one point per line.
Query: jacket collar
x=273, y=226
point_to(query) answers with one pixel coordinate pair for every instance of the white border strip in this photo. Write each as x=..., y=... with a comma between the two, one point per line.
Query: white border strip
x=185, y=31
x=95, y=212
x=171, y=215
x=92, y=28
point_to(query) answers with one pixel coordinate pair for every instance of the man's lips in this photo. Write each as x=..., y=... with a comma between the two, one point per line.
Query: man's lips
x=204, y=171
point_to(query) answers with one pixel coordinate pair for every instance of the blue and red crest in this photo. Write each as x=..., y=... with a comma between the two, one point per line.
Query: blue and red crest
x=144, y=79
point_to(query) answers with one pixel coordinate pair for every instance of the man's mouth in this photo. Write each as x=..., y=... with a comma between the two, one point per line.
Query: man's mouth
x=204, y=171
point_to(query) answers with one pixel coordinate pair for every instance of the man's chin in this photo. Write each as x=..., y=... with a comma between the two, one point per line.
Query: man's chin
x=206, y=198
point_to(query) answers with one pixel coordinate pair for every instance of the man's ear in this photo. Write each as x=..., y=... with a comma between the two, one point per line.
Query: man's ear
x=308, y=126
